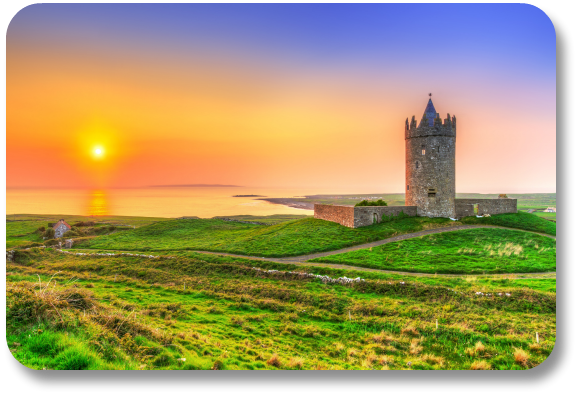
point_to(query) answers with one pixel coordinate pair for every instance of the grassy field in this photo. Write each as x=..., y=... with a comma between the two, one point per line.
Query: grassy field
x=267, y=219
x=520, y=220
x=290, y=238
x=177, y=309
x=475, y=251
x=286, y=239
x=197, y=311
x=548, y=216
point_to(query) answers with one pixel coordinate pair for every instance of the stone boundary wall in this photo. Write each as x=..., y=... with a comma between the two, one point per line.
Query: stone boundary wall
x=465, y=207
x=343, y=215
x=364, y=215
x=355, y=217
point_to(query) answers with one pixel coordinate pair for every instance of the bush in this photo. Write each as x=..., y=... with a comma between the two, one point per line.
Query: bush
x=502, y=196
x=86, y=223
x=49, y=233
x=42, y=229
x=378, y=202
x=70, y=233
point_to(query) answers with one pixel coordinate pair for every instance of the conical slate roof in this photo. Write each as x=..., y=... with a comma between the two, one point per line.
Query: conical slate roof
x=430, y=113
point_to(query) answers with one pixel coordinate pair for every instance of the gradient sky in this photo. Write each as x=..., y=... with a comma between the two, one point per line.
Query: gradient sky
x=277, y=95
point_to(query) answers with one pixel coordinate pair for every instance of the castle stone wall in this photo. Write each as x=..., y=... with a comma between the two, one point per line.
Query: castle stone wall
x=355, y=217
x=430, y=163
x=365, y=215
x=343, y=215
x=465, y=207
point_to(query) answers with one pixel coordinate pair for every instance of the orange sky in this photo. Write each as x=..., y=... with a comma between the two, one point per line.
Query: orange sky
x=222, y=117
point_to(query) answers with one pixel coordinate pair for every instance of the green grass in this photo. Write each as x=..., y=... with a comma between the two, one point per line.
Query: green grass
x=519, y=220
x=474, y=251
x=548, y=216
x=121, y=312
x=286, y=239
x=267, y=219
x=23, y=232
x=26, y=234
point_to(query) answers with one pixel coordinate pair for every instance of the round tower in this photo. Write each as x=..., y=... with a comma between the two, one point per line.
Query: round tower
x=430, y=164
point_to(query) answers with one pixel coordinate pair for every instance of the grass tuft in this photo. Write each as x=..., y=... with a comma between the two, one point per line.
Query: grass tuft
x=480, y=365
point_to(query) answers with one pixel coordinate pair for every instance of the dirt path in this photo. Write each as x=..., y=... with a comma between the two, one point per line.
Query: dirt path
x=399, y=238
x=302, y=259
x=365, y=269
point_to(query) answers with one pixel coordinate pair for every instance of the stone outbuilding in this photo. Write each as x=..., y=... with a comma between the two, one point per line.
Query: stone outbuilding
x=60, y=228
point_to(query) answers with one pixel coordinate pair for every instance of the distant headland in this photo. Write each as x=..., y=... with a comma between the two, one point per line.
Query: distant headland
x=195, y=186
x=248, y=196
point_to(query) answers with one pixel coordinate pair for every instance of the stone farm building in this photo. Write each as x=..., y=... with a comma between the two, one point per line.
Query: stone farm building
x=60, y=228
x=430, y=175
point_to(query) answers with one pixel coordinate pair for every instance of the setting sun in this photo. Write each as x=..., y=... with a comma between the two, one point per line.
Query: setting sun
x=98, y=151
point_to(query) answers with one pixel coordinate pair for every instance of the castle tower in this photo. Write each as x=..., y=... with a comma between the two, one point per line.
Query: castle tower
x=430, y=164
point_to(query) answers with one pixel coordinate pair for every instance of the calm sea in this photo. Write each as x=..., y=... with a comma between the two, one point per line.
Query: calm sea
x=204, y=202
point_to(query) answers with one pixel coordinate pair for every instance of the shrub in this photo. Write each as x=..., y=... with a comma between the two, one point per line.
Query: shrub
x=69, y=233
x=49, y=233
x=87, y=223
x=378, y=202
x=42, y=229
x=502, y=196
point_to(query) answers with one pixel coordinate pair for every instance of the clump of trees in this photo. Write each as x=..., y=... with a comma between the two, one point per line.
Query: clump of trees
x=378, y=202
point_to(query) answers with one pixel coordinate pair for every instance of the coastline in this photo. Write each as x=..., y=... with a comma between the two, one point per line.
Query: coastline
x=289, y=202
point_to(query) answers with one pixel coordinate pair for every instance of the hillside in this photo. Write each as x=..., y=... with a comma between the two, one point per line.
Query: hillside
x=475, y=251
x=290, y=238
x=124, y=312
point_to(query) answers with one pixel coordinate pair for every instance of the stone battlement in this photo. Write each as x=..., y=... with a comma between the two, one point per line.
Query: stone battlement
x=438, y=127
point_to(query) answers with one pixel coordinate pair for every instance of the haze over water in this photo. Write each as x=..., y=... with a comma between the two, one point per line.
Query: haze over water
x=204, y=202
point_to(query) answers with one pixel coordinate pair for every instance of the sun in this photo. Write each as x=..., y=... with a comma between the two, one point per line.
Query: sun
x=98, y=152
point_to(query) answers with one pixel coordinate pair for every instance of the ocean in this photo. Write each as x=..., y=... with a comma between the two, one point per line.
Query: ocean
x=203, y=202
